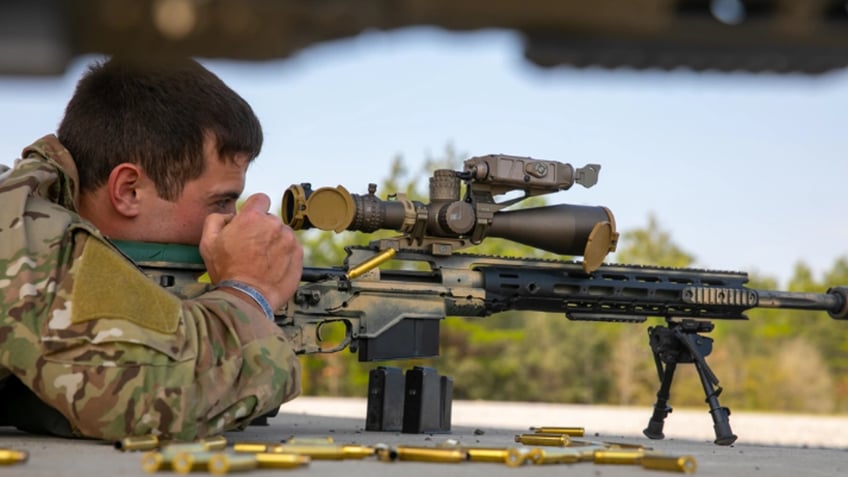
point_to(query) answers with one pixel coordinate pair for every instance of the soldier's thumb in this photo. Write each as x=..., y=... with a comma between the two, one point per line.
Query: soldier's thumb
x=212, y=226
x=258, y=202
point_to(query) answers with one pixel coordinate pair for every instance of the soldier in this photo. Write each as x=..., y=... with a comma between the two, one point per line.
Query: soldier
x=89, y=346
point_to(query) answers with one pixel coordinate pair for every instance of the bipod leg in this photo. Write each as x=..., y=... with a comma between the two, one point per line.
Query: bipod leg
x=658, y=337
x=709, y=381
x=661, y=407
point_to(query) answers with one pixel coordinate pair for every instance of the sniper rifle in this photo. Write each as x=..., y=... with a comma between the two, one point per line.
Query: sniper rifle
x=395, y=312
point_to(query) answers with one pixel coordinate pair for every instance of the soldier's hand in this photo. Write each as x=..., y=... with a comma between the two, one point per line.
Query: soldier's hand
x=253, y=247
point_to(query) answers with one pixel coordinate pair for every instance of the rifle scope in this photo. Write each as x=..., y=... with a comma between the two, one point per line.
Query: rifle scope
x=565, y=229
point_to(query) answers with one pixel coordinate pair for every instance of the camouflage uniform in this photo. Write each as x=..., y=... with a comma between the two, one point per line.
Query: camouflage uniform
x=95, y=339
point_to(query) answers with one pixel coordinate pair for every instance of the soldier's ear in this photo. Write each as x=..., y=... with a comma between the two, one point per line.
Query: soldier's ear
x=123, y=187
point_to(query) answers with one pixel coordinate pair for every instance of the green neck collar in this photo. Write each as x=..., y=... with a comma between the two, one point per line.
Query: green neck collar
x=146, y=252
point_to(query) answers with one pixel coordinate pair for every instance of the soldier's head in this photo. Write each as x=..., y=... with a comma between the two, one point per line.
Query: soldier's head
x=158, y=146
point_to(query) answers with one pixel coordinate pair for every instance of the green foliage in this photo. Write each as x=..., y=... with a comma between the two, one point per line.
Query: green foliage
x=778, y=360
x=652, y=246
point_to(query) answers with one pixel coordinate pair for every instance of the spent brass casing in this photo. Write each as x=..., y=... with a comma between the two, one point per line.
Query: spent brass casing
x=542, y=439
x=569, y=431
x=254, y=447
x=324, y=452
x=170, y=450
x=357, y=452
x=566, y=455
x=626, y=445
x=482, y=454
x=685, y=463
x=311, y=441
x=625, y=457
x=430, y=454
x=151, y=442
x=12, y=456
x=214, y=443
x=371, y=263
x=518, y=456
x=220, y=464
x=138, y=443
x=487, y=454
x=281, y=461
x=545, y=457
x=186, y=462
x=153, y=461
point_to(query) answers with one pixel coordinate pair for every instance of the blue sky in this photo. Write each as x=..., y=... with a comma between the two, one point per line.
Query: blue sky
x=747, y=172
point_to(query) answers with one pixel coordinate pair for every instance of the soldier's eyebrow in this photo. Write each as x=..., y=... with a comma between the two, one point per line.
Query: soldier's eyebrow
x=227, y=195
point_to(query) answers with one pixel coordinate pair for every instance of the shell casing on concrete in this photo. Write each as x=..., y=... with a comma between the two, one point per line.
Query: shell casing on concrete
x=430, y=454
x=357, y=451
x=626, y=445
x=170, y=450
x=311, y=441
x=685, y=464
x=13, y=456
x=325, y=452
x=186, y=462
x=541, y=439
x=487, y=454
x=569, y=431
x=153, y=461
x=565, y=455
x=151, y=442
x=214, y=443
x=281, y=461
x=546, y=458
x=220, y=464
x=254, y=447
x=482, y=454
x=623, y=457
x=138, y=443
x=518, y=456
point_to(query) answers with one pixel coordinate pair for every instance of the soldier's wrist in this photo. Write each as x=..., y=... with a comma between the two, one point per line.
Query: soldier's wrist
x=255, y=295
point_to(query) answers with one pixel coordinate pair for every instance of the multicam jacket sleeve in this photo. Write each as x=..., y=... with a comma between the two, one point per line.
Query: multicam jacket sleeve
x=83, y=328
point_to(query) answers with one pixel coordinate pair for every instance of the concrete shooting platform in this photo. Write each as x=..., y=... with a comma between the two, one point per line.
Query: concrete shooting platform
x=769, y=445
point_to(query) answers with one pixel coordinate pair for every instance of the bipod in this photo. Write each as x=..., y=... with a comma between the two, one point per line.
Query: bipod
x=679, y=342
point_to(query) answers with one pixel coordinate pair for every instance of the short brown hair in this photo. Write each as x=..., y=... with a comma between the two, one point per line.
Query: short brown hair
x=156, y=116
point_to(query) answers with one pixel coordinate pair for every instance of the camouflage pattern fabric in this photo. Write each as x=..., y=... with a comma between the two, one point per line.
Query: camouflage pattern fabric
x=91, y=336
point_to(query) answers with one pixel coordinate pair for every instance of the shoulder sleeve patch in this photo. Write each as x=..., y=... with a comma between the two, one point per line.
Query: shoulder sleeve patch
x=107, y=286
